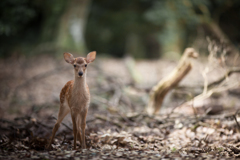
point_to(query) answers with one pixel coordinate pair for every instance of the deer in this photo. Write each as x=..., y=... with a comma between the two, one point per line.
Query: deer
x=75, y=98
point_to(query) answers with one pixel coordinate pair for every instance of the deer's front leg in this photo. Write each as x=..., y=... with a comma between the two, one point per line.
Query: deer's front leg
x=74, y=121
x=83, y=126
x=79, y=135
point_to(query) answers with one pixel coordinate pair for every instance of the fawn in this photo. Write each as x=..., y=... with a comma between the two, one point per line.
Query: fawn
x=75, y=98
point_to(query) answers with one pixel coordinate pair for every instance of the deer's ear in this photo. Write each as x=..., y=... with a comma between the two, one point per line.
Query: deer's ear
x=69, y=58
x=91, y=56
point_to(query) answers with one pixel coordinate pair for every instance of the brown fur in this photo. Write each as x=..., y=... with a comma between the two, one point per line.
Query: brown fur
x=75, y=98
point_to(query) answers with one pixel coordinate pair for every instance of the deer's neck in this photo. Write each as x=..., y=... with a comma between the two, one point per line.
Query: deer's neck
x=80, y=85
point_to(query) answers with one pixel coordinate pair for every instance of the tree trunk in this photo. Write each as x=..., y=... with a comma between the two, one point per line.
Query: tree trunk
x=72, y=26
x=171, y=39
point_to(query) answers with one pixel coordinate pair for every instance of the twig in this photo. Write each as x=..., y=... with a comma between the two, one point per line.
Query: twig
x=175, y=108
x=212, y=84
x=190, y=95
x=112, y=109
x=64, y=124
x=102, y=100
x=64, y=138
x=229, y=72
x=90, y=120
x=44, y=125
x=235, y=118
x=124, y=99
x=204, y=74
x=210, y=92
x=114, y=101
x=194, y=110
x=106, y=119
x=7, y=121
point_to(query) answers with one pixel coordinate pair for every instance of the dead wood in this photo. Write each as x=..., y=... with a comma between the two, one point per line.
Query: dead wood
x=103, y=118
x=200, y=100
x=215, y=83
x=67, y=126
x=220, y=80
x=159, y=91
x=235, y=118
x=151, y=136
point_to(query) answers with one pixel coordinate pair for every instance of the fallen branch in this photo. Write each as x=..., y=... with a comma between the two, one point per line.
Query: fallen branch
x=63, y=124
x=220, y=80
x=159, y=91
x=206, y=95
x=103, y=118
x=235, y=118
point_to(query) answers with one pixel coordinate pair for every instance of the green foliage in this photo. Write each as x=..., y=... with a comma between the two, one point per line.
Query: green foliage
x=174, y=149
x=25, y=23
x=110, y=24
x=141, y=28
x=15, y=15
x=176, y=18
x=180, y=19
x=52, y=11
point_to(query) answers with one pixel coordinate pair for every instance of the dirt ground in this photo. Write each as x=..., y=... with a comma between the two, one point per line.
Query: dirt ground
x=117, y=127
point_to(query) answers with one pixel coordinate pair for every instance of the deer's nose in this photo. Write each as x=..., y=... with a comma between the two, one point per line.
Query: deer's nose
x=80, y=73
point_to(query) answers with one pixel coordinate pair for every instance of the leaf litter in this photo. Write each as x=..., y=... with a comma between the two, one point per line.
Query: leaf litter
x=114, y=132
x=153, y=137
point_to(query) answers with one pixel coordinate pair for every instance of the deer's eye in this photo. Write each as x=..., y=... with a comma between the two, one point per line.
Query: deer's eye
x=85, y=65
x=74, y=65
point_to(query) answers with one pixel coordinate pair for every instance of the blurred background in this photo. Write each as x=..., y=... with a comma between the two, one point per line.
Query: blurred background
x=141, y=28
x=150, y=35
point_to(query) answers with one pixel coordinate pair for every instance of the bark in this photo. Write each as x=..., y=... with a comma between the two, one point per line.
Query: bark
x=159, y=91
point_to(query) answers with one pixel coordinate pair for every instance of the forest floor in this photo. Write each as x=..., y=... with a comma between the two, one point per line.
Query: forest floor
x=117, y=126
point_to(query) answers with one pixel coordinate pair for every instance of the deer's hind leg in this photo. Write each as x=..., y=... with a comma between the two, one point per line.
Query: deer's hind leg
x=63, y=111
